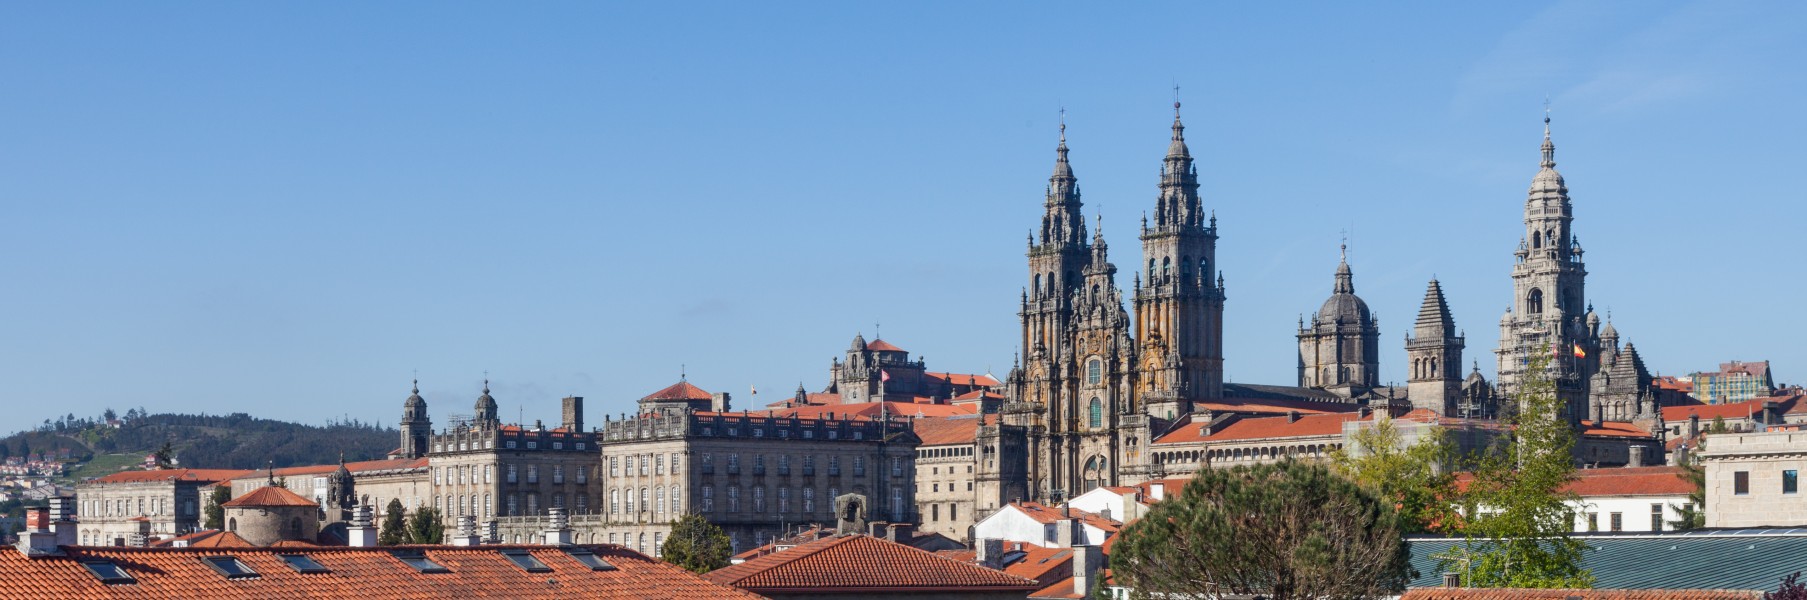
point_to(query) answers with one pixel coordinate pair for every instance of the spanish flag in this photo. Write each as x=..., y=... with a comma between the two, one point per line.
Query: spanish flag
x=1579, y=353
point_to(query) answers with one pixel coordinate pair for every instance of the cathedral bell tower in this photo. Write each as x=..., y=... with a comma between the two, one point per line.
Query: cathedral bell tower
x=1548, y=313
x=1179, y=307
x=415, y=425
x=1434, y=355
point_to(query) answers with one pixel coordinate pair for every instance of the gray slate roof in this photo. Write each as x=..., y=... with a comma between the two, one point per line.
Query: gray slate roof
x=1750, y=559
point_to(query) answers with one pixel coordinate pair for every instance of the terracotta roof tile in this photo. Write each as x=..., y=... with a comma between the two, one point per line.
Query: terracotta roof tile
x=938, y=431
x=859, y=563
x=362, y=466
x=1240, y=427
x=1591, y=594
x=1630, y=481
x=883, y=346
x=871, y=409
x=1612, y=429
x=963, y=379
x=271, y=495
x=479, y=572
x=979, y=394
x=200, y=475
x=682, y=390
x=1043, y=513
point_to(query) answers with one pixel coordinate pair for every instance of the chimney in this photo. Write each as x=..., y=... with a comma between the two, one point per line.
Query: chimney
x=990, y=551
x=467, y=532
x=876, y=529
x=1292, y=416
x=574, y=413
x=37, y=540
x=62, y=520
x=1452, y=580
x=1637, y=457
x=1157, y=491
x=360, y=533
x=558, y=528
x=1693, y=425
x=492, y=532
x=1772, y=413
x=901, y=533
x=720, y=402
x=1064, y=536
x=140, y=538
x=1088, y=564
x=1364, y=412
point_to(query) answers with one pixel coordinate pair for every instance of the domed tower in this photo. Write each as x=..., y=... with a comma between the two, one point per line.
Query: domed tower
x=1340, y=349
x=486, y=411
x=341, y=493
x=415, y=425
x=1179, y=304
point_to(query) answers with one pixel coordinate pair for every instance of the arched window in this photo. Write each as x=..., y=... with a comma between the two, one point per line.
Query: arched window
x=1166, y=268
x=1094, y=293
x=1097, y=413
x=1537, y=239
x=1204, y=270
x=1151, y=270
x=1037, y=289
x=1185, y=270
x=1433, y=370
x=232, y=524
x=1534, y=302
x=1094, y=371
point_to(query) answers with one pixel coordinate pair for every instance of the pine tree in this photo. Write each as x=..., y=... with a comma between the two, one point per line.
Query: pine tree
x=426, y=527
x=1287, y=531
x=395, y=519
x=1517, y=534
x=696, y=545
x=216, y=508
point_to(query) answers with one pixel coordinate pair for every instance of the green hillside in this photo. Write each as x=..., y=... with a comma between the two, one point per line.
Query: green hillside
x=236, y=441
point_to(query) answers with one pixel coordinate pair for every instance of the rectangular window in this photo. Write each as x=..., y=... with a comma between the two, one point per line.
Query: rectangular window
x=1618, y=521
x=1741, y=482
x=643, y=466
x=533, y=444
x=526, y=561
x=230, y=566
x=303, y=563
x=488, y=473
x=1656, y=517
x=1790, y=482
x=583, y=474
x=1593, y=521
x=558, y=473
x=533, y=473
x=512, y=477
x=510, y=444
x=660, y=467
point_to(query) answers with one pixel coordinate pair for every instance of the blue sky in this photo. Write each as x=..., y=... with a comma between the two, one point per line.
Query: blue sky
x=288, y=209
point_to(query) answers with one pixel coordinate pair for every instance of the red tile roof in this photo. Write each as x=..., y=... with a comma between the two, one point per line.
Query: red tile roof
x=1275, y=406
x=478, y=572
x=938, y=431
x=963, y=379
x=851, y=563
x=871, y=409
x=883, y=346
x=361, y=466
x=208, y=538
x=1612, y=429
x=1044, y=514
x=979, y=394
x=1591, y=594
x=271, y=495
x=681, y=390
x=1630, y=481
x=1239, y=427
x=1035, y=562
x=200, y=475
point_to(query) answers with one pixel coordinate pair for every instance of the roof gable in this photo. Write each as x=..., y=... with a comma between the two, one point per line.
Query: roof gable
x=861, y=562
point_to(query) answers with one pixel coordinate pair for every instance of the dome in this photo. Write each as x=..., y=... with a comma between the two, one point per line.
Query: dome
x=1343, y=304
x=1346, y=306
x=1610, y=332
x=414, y=400
x=1548, y=181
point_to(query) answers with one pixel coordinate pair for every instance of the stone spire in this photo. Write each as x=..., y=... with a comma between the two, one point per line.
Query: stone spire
x=1434, y=318
x=1345, y=279
x=1062, y=224
x=1179, y=204
x=1549, y=149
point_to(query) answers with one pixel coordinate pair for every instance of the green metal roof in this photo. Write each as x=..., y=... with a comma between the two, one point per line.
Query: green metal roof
x=1749, y=559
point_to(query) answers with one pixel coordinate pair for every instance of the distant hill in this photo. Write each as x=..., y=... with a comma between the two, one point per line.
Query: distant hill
x=235, y=441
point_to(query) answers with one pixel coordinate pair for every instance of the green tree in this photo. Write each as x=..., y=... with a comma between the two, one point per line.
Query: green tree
x=1416, y=478
x=1287, y=530
x=426, y=526
x=1518, y=533
x=164, y=456
x=1693, y=513
x=395, y=529
x=1791, y=589
x=216, y=508
x=696, y=545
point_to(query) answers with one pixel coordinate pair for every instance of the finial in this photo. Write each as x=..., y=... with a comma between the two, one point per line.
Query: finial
x=416, y=389
x=1344, y=247
x=875, y=334
x=681, y=375
x=1063, y=125
x=1176, y=101
x=486, y=382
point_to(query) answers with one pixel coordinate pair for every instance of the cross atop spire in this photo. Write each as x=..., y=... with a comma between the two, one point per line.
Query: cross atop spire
x=1549, y=149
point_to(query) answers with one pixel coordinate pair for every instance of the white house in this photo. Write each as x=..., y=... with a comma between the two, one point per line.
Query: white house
x=1634, y=499
x=1045, y=526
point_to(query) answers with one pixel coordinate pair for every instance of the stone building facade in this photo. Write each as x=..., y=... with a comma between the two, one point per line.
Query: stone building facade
x=1753, y=479
x=112, y=510
x=754, y=474
x=947, y=492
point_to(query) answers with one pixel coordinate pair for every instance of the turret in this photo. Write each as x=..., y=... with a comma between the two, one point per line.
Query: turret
x=1434, y=355
x=486, y=410
x=415, y=425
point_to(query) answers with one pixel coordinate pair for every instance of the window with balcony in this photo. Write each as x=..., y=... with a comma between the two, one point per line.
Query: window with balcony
x=558, y=473
x=533, y=473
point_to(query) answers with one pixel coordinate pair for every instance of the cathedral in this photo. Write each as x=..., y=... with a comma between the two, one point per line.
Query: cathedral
x=1097, y=387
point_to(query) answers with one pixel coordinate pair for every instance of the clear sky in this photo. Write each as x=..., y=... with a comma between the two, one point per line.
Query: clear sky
x=289, y=209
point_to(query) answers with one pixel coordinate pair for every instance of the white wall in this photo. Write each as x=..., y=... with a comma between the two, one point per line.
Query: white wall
x=1635, y=511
